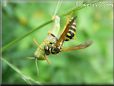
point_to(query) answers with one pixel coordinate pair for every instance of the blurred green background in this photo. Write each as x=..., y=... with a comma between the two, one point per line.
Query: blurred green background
x=93, y=65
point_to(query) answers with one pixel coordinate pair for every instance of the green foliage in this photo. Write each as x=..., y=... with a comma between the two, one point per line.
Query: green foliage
x=91, y=65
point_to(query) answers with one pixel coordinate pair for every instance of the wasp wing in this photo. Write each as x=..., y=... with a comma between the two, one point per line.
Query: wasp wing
x=63, y=35
x=80, y=46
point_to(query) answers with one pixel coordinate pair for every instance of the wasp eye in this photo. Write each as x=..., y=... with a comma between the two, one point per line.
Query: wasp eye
x=51, y=43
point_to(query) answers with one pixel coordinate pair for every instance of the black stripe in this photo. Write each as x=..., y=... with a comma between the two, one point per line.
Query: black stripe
x=66, y=39
x=54, y=36
x=72, y=35
x=73, y=29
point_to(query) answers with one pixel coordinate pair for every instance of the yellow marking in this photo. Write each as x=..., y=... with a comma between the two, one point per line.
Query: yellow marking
x=49, y=32
x=67, y=38
x=74, y=23
x=75, y=37
x=72, y=31
x=73, y=27
x=68, y=34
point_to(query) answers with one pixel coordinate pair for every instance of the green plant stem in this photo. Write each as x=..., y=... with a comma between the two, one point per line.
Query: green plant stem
x=22, y=37
x=40, y=26
x=25, y=78
x=73, y=10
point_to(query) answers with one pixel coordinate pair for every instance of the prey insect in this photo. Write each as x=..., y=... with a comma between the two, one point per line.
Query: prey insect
x=53, y=45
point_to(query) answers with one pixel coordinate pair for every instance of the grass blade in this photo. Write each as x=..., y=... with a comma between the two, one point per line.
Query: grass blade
x=25, y=78
x=25, y=35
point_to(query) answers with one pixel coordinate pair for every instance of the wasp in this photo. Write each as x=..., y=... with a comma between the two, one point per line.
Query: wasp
x=53, y=45
x=54, y=48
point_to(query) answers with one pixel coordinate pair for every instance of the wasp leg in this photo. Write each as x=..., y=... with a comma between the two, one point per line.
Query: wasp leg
x=35, y=42
x=46, y=58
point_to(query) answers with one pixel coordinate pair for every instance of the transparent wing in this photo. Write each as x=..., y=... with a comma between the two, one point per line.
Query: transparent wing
x=80, y=46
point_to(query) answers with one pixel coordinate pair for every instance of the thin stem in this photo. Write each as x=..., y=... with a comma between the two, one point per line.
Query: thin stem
x=37, y=67
x=22, y=37
x=73, y=10
x=25, y=78
x=57, y=7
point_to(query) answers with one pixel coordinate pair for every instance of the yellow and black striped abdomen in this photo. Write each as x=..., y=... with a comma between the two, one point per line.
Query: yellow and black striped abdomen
x=72, y=31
